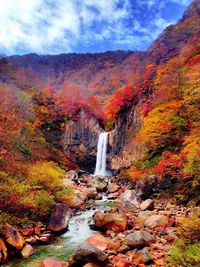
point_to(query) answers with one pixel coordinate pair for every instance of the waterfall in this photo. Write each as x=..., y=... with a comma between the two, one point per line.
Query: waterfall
x=101, y=155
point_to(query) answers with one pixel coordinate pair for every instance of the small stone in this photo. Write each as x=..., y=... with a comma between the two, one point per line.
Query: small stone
x=27, y=251
x=148, y=204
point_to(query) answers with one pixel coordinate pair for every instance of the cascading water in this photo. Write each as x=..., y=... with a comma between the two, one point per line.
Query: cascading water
x=101, y=155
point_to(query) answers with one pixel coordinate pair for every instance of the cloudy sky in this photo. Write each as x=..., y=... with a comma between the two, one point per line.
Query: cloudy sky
x=63, y=26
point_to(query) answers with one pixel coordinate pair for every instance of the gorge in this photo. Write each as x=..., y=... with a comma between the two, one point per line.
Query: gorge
x=99, y=155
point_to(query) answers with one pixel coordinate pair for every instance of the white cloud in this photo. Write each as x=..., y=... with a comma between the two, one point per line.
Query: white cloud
x=54, y=26
x=41, y=25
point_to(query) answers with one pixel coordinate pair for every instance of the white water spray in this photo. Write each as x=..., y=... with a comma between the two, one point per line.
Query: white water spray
x=101, y=155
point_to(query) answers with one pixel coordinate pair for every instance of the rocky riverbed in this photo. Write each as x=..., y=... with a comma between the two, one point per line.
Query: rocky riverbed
x=137, y=230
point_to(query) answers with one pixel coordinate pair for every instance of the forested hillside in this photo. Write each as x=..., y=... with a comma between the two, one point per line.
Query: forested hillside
x=42, y=95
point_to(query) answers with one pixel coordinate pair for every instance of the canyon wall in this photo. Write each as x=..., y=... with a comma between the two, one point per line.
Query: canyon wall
x=80, y=139
x=123, y=147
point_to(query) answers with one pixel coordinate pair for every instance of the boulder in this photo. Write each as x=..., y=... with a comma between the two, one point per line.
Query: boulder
x=113, y=221
x=120, y=261
x=90, y=264
x=77, y=199
x=142, y=256
x=138, y=239
x=52, y=263
x=148, y=204
x=72, y=175
x=156, y=221
x=147, y=186
x=100, y=186
x=113, y=187
x=59, y=218
x=27, y=251
x=13, y=237
x=99, y=241
x=87, y=253
x=90, y=192
x=130, y=200
x=3, y=251
x=142, y=217
x=68, y=183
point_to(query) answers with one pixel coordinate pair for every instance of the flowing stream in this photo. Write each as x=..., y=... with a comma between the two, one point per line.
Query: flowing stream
x=101, y=155
x=78, y=231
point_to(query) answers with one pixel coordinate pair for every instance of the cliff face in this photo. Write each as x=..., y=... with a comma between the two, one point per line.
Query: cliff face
x=123, y=148
x=81, y=138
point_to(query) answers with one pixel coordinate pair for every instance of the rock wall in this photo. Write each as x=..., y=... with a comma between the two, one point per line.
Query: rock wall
x=123, y=148
x=81, y=138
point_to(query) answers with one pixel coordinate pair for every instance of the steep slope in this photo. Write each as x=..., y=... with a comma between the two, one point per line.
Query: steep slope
x=92, y=74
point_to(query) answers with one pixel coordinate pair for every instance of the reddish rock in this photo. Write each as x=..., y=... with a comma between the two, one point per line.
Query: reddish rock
x=113, y=221
x=113, y=187
x=98, y=241
x=156, y=221
x=90, y=264
x=37, y=231
x=27, y=232
x=27, y=251
x=13, y=237
x=31, y=240
x=142, y=256
x=52, y=263
x=120, y=261
x=148, y=204
x=3, y=252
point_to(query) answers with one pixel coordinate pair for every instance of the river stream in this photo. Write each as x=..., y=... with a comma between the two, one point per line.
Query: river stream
x=78, y=231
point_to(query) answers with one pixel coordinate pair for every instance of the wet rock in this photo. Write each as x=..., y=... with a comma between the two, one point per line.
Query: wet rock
x=52, y=263
x=113, y=221
x=148, y=204
x=138, y=239
x=130, y=200
x=113, y=187
x=59, y=218
x=156, y=221
x=3, y=252
x=147, y=186
x=27, y=251
x=13, y=237
x=98, y=197
x=99, y=241
x=87, y=253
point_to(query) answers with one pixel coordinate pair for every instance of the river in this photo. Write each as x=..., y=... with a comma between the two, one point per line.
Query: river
x=78, y=231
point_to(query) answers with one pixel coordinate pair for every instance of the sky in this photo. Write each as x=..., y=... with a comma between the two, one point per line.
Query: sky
x=81, y=26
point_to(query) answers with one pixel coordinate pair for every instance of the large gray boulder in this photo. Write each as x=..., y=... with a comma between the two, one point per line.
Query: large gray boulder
x=87, y=253
x=59, y=218
x=138, y=239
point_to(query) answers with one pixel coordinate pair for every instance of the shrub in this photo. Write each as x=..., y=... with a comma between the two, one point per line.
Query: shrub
x=46, y=174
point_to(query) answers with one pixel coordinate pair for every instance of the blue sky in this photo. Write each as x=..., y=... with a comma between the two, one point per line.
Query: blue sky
x=81, y=26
